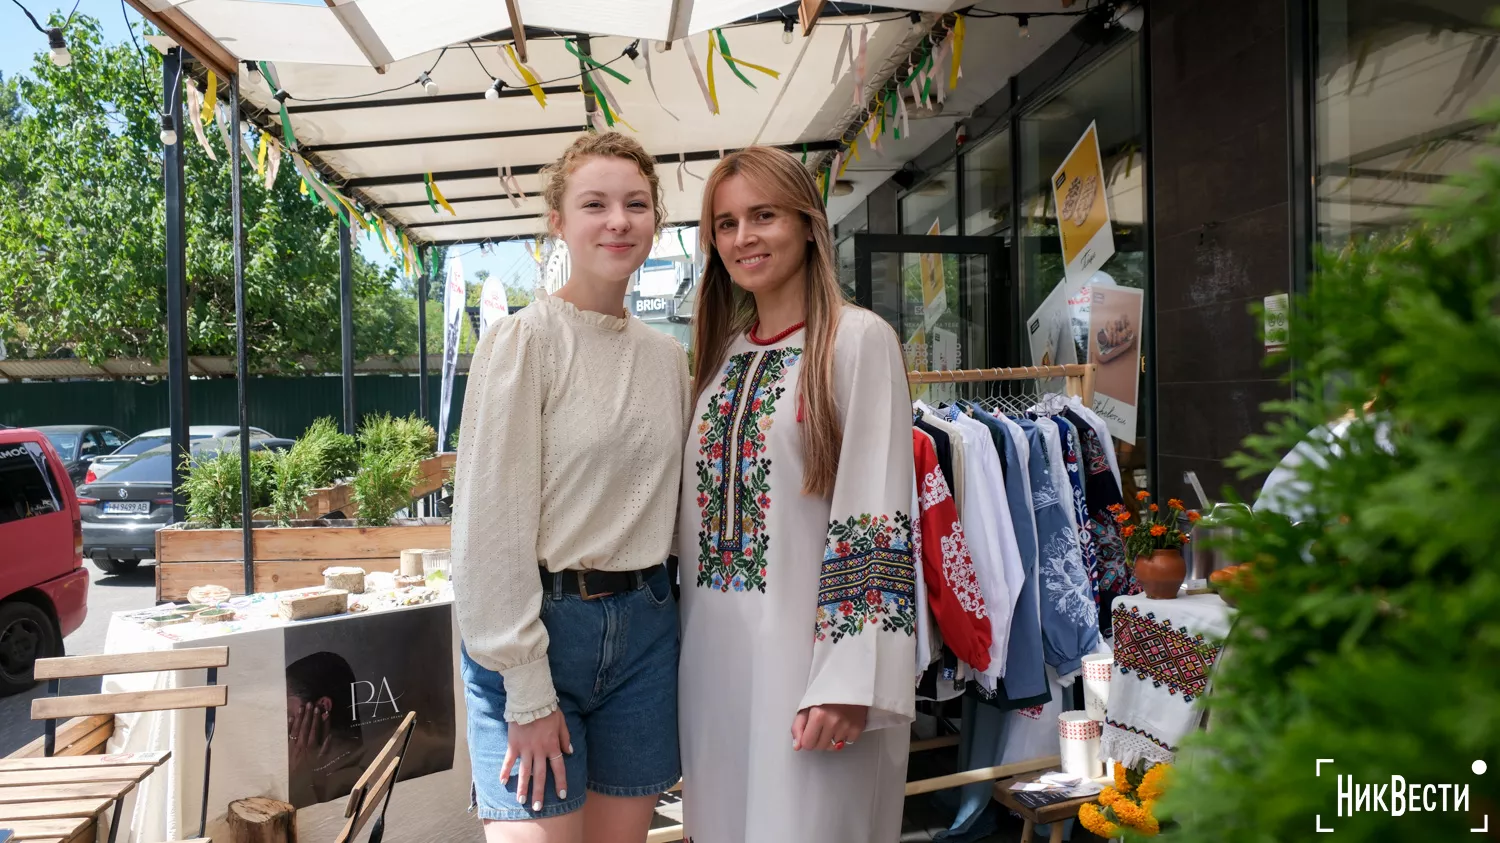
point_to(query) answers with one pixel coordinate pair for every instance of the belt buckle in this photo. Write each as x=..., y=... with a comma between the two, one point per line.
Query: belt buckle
x=583, y=588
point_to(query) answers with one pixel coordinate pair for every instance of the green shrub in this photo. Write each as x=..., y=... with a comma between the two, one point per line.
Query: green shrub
x=212, y=485
x=409, y=434
x=293, y=477
x=1372, y=631
x=383, y=485
x=329, y=454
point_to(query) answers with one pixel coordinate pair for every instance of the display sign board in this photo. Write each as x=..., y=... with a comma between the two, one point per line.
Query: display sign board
x=1082, y=213
x=1115, y=347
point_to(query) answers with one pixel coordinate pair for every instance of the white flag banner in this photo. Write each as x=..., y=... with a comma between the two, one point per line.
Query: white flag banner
x=492, y=304
x=453, y=312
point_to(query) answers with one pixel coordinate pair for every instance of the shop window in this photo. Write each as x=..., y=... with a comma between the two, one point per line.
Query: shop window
x=987, y=186
x=932, y=208
x=1109, y=95
x=1397, y=88
x=844, y=255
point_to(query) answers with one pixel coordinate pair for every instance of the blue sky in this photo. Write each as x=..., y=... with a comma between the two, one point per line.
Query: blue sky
x=20, y=43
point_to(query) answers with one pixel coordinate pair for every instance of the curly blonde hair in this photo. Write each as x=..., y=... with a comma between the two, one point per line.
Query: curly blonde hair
x=602, y=145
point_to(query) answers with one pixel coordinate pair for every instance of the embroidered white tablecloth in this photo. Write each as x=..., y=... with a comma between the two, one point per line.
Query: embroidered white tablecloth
x=1165, y=651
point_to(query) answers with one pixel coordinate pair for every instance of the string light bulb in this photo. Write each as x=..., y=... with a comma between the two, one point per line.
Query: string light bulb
x=633, y=51
x=1023, y=27
x=428, y=85
x=493, y=92
x=59, y=47
x=168, y=130
x=659, y=46
x=787, y=27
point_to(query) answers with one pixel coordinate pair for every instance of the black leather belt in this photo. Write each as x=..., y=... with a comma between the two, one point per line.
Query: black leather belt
x=591, y=585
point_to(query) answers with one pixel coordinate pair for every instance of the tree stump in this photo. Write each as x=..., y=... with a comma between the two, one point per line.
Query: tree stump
x=262, y=820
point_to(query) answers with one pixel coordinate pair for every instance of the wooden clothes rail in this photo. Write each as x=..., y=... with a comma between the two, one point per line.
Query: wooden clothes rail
x=1079, y=379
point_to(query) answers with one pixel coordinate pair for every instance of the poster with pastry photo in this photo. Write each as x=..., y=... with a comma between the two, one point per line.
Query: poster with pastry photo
x=1088, y=238
x=1115, y=347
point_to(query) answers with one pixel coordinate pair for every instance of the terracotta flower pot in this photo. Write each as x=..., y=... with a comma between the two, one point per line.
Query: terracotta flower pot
x=1161, y=574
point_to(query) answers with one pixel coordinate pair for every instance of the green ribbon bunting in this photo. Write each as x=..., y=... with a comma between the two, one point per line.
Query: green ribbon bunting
x=682, y=244
x=431, y=200
x=601, y=101
x=734, y=66
x=286, y=119
x=804, y=154
x=827, y=183
x=592, y=63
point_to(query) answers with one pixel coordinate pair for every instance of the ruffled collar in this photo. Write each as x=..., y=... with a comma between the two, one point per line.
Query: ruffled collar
x=572, y=313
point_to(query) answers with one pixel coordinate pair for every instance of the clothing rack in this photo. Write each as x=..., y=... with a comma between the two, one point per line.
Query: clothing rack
x=1079, y=377
x=1079, y=382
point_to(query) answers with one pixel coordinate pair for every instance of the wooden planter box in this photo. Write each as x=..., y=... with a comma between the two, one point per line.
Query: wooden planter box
x=340, y=497
x=285, y=557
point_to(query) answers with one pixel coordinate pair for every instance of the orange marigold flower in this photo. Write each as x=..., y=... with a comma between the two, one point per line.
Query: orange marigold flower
x=1115, y=507
x=1122, y=783
x=1094, y=820
x=1154, y=507
x=1176, y=503
x=1158, y=529
x=1109, y=795
x=1142, y=495
x=1194, y=515
x=1153, y=785
x=1128, y=531
x=1122, y=517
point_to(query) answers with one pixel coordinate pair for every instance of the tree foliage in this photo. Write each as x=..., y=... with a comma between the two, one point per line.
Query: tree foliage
x=82, y=229
x=1371, y=630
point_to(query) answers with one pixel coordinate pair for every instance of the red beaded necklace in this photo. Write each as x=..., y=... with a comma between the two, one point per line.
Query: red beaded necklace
x=776, y=339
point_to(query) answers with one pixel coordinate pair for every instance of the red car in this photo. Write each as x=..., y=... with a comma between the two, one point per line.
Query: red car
x=44, y=587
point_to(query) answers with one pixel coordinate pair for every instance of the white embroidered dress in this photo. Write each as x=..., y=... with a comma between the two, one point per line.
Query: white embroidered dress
x=791, y=601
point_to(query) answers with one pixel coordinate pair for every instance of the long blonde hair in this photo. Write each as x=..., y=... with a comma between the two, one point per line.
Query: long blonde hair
x=723, y=310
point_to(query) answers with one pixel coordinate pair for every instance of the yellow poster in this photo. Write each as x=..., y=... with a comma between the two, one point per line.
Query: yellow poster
x=1082, y=212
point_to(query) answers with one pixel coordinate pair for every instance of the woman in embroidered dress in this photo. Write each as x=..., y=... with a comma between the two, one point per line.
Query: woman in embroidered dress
x=566, y=500
x=794, y=532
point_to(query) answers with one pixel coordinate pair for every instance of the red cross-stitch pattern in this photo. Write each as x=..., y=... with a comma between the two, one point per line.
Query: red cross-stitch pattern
x=1154, y=651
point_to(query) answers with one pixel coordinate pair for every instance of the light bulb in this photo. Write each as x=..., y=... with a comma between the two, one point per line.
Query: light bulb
x=1023, y=29
x=659, y=46
x=428, y=85
x=786, y=31
x=168, y=130
x=60, y=55
x=493, y=93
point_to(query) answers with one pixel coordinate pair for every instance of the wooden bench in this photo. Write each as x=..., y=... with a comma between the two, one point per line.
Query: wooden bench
x=86, y=769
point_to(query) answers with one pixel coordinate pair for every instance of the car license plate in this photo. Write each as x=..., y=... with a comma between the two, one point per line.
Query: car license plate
x=127, y=508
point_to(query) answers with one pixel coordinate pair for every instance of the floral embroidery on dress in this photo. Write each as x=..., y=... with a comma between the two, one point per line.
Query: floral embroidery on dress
x=868, y=578
x=1034, y=712
x=1067, y=582
x=958, y=570
x=934, y=489
x=734, y=488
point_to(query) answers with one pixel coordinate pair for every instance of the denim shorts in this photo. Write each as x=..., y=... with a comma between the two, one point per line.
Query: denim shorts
x=614, y=666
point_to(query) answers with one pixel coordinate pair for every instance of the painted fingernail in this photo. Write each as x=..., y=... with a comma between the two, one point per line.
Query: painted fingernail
x=536, y=806
x=562, y=794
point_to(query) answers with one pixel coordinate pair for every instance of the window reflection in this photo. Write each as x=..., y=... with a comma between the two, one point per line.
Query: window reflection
x=1397, y=85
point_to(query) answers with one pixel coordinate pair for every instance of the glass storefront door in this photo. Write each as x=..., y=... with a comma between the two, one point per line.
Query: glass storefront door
x=948, y=297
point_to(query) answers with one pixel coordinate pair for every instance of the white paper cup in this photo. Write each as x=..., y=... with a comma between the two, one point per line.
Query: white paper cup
x=1096, y=673
x=1078, y=744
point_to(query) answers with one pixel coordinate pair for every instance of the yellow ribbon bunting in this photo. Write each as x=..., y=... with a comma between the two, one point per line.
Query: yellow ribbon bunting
x=260, y=156
x=742, y=63
x=713, y=93
x=211, y=98
x=958, y=51
x=526, y=74
x=438, y=195
x=302, y=189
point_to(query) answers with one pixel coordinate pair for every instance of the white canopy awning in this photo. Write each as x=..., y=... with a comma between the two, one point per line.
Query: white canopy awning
x=376, y=134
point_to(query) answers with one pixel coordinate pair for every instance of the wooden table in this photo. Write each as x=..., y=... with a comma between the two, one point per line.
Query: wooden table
x=1054, y=814
x=53, y=800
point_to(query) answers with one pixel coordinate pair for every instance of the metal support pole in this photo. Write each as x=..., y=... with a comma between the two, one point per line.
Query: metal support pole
x=176, y=261
x=241, y=364
x=422, y=401
x=346, y=322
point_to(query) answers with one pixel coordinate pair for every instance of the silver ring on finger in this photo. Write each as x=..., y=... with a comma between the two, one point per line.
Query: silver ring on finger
x=554, y=757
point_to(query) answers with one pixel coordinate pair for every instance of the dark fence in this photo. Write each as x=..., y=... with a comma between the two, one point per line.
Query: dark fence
x=283, y=406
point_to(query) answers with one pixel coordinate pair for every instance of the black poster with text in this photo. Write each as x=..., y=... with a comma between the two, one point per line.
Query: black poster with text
x=350, y=681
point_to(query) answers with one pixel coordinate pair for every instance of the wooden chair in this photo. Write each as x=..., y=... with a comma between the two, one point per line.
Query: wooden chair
x=209, y=697
x=373, y=790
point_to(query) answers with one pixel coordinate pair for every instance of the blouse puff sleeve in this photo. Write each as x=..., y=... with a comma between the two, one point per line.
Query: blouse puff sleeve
x=864, y=644
x=497, y=588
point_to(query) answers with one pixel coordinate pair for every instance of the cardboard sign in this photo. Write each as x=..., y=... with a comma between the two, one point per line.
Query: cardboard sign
x=1115, y=347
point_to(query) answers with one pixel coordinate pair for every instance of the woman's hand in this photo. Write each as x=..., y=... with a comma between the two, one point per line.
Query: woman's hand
x=310, y=736
x=530, y=749
x=828, y=727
